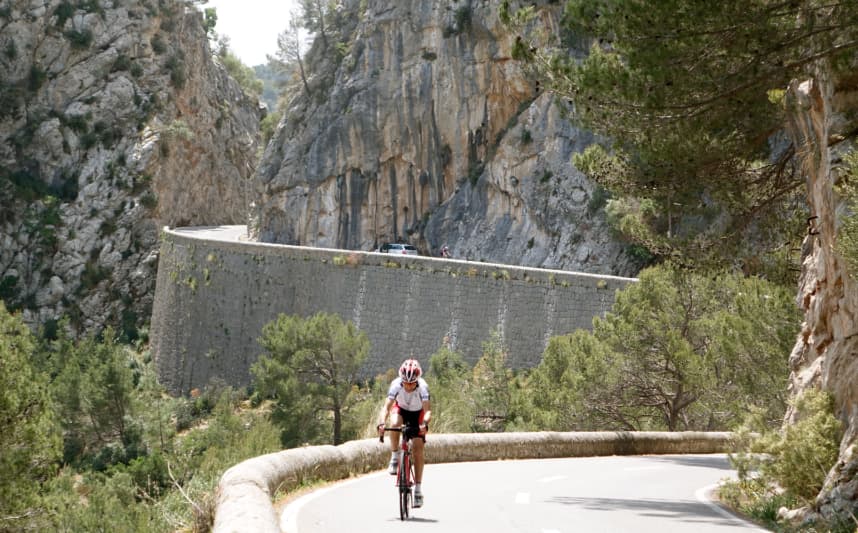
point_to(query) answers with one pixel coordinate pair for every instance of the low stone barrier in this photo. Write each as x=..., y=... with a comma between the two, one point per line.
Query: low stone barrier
x=245, y=491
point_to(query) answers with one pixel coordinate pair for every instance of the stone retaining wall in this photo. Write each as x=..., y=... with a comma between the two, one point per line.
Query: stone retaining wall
x=245, y=491
x=213, y=297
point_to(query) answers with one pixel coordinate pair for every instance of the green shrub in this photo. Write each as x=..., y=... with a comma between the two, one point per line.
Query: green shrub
x=176, y=68
x=149, y=200
x=36, y=79
x=804, y=453
x=158, y=44
x=463, y=19
x=598, y=199
x=63, y=12
x=80, y=39
x=123, y=62
x=11, y=51
x=786, y=467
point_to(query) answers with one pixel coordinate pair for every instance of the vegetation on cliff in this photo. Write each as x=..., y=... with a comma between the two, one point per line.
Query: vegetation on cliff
x=700, y=162
x=690, y=95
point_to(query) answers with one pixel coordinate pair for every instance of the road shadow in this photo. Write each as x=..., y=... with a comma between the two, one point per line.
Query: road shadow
x=415, y=519
x=715, y=462
x=686, y=511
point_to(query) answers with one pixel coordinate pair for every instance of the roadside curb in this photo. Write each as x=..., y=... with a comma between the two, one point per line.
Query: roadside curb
x=245, y=491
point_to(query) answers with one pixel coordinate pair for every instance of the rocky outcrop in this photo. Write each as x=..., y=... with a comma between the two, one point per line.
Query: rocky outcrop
x=426, y=130
x=826, y=353
x=115, y=120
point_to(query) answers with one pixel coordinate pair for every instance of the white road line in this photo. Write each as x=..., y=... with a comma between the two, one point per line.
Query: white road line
x=701, y=495
x=289, y=516
x=639, y=468
x=522, y=498
x=551, y=479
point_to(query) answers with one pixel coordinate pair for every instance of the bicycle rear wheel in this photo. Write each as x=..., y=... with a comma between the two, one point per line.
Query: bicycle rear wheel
x=404, y=487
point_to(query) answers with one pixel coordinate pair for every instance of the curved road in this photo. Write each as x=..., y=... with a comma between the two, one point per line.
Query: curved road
x=641, y=494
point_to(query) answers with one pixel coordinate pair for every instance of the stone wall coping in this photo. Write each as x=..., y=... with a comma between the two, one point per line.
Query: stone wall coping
x=245, y=491
x=229, y=237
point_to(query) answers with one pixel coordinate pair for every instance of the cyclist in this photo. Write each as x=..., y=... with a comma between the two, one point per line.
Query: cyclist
x=408, y=402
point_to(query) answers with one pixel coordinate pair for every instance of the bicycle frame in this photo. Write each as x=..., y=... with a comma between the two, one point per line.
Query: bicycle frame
x=405, y=472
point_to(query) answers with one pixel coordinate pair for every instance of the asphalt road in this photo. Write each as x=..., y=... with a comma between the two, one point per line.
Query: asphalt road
x=641, y=494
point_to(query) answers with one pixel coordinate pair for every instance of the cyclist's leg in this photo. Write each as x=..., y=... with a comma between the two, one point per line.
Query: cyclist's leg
x=395, y=422
x=417, y=457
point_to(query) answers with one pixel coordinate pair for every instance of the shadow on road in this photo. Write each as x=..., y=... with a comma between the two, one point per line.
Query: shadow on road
x=718, y=462
x=416, y=519
x=686, y=511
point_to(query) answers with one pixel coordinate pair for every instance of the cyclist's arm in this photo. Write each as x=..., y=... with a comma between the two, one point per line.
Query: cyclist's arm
x=385, y=410
x=427, y=411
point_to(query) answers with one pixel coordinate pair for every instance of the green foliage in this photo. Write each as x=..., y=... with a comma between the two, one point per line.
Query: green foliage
x=463, y=19
x=677, y=351
x=484, y=397
x=490, y=387
x=309, y=369
x=175, y=65
x=448, y=378
x=11, y=50
x=269, y=125
x=847, y=235
x=75, y=502
x=804, y=452
x=210, y=20
x=158, y=44
x=785, y=466
x=28, y=433
x=79, y=39
x=92, y=390
x=124, y=460
x=757, y=500
x=562, y=390
x=63, y=12
x=244, y=75
x=36, y=79
x=598, y=200
x=690, y=112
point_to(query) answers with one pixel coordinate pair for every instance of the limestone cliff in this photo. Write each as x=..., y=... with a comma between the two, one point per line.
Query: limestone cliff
x=115, y=120
x=424, y=129
x=826, y=353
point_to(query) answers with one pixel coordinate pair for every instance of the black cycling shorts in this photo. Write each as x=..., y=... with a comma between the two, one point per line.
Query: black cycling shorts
x=411, y=422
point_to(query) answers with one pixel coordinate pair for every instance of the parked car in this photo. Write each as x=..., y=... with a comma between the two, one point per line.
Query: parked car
x=398, y=248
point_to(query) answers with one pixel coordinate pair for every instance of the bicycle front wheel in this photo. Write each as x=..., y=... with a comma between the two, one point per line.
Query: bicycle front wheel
x=404, y=503
x=404, y=487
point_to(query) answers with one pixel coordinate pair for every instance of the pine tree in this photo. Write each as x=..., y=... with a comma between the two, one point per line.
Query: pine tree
x=29, y=437
x=678, y=351
x=690, y=95
x=309, y=368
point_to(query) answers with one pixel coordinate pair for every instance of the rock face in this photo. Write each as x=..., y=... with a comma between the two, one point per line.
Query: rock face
x=115, y=120
x=826, y=352
x=427, y=131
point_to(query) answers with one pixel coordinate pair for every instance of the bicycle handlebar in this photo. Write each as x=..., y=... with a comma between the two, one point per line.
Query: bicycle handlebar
x=398, y=429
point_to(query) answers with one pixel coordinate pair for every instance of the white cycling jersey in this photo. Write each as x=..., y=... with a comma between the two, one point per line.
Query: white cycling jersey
x=410, y=401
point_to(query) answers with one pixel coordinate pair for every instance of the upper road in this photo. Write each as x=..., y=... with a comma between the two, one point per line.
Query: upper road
x=640, y=494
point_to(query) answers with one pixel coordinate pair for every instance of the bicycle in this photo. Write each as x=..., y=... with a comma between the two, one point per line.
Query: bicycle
x=405, y=470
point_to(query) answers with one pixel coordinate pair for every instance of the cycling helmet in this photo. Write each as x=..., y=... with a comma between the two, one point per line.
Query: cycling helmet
x=410, y=370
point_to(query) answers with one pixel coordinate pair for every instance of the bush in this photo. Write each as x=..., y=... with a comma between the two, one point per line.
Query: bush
x=784, y=468
x=80, y=39
x=804, y=453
